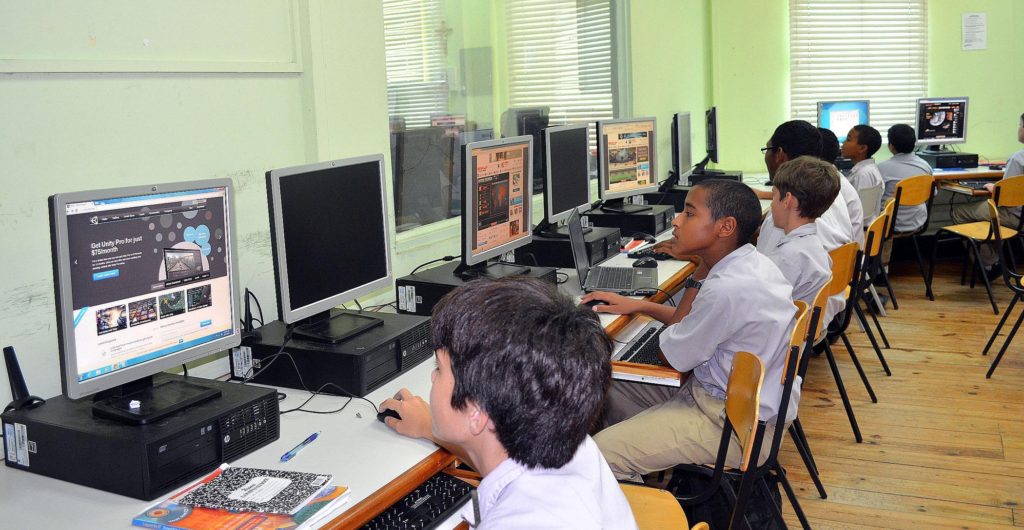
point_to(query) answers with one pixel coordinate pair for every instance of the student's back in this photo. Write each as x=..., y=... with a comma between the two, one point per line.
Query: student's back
x=903, y=164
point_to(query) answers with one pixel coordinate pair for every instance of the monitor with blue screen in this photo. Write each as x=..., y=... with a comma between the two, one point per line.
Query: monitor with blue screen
x=840, y=116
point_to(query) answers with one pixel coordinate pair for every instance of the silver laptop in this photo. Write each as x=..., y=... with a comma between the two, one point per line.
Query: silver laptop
x=622, y=280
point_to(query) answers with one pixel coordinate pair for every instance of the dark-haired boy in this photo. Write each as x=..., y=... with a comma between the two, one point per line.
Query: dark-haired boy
x=520, y=380
x=744, y=303
x=903, y=164
x=862, y=142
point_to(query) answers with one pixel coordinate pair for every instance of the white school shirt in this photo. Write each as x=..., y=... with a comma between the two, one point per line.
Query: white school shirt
x=802, y=260
x=745, y=304
x=1015, y=167
x=897, y=168
x=865, y=175
x=854, y=212
x=581, y=494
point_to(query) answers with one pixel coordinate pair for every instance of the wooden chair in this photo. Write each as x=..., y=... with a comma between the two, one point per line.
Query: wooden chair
x=912, y=191
x=846, y=264
x=1007, y=193
x=742, y=399
x=1013, y=280
x=750, y=473
x=654, y=508
x=870, y=269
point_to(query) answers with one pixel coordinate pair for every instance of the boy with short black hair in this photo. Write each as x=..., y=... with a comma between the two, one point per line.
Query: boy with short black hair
x=903, y=164
x=520, y=380
x=862, y=142
x=804, y=189
x=743, y=303
x=829, y=145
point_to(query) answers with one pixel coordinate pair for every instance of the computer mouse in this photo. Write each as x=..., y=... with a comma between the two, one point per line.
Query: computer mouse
x=637, y=236
x=595, y=302
x=387, y=413
x=647, y=262
x=997, y=167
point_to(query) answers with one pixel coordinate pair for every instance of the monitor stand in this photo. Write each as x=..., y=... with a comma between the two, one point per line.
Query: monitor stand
x=141, y=402
x=621, y=206
x=324, y=327
x=555, y=231
x=490, y=269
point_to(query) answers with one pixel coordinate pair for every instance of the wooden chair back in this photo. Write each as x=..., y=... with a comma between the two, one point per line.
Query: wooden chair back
x=1009, y=192
x=844, y=265
x=654, y=508
x=820, y=302
x=877, y=230
x=799, y=335
x=915, y=190
x=742, y=399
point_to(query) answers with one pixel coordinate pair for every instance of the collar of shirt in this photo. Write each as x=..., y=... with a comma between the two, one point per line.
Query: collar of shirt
x=862, y=164
x=798, y=232
x=491, y=487
x=739, y=253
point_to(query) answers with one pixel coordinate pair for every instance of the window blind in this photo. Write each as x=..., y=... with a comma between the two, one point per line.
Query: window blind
x=874, y=50
x=560, y=57
x=415, y=60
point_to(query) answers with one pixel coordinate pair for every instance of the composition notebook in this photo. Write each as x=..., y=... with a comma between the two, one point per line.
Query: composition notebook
x=244, y=489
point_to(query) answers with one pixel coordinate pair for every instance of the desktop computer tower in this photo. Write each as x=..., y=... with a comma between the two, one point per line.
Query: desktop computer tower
x=359, y=364
x=949, y=159
x=653, y=221
x=418, y=293
x=601, y=243
x=63, y=440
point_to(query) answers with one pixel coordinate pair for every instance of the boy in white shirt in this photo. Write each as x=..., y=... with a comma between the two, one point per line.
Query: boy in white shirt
x=520, y=380
x=743, y=304
x=862, y=142
x=903, y=164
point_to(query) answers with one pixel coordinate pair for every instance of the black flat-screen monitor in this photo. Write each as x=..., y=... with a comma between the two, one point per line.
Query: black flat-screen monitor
x=528, y=122
x=329, y=237
x=682, y=159
x=711, y=133
x=145, y=279
x=941, y=121
x=423, y=167
x=567, y=170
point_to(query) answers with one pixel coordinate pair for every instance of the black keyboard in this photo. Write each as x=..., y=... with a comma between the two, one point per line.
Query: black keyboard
x=613, y=277
x=644, y=349
x=974, y=184
x=649, y=251
x=429, y=505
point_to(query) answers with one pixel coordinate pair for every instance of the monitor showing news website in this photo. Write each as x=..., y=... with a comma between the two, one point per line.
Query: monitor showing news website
x=499, y=175
x=629, y=150
x=149, y=277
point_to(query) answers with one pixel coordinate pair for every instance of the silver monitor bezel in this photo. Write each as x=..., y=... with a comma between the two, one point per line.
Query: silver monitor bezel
x=469, y=200
x=602, y=172
x=291, y=315
x=552, y=216
x=940, y=141
x=71, y=386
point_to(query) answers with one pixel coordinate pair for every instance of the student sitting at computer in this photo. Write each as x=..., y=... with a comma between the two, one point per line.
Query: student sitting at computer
x=841, y=222
x=804, y=189
x=520, y=380
x=830, y=151
x=744, y=304
x=862, y=142
x=978, y=211
x=903, y=164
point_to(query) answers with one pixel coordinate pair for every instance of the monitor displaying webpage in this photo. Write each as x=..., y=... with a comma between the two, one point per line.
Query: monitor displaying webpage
x=498, y=177
x=149, y=277
x=941, y=119
x=629, y=149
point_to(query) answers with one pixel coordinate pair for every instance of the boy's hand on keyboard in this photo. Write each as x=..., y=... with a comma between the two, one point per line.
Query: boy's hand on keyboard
x=615, y=304
x=990, y=187
x=415, y=413
x=666, y=247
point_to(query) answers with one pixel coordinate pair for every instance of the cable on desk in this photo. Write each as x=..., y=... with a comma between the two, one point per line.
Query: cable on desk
x=421, y=265
x=670, y=301
x=272, y=359
x=561, y=277
x=360, y=306
x=377, y=307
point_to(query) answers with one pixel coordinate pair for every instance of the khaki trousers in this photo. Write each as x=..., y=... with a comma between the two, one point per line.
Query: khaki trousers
x=978, y=211
x=651, y=428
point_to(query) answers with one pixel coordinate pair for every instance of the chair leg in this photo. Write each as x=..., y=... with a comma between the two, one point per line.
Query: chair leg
x=871, y=337
x=1006, y=344
x=1002, y=321
x=878, y=301
x=888, y=285
x=799, y=427
x=738, y=519
x=920, y=263
x=878, y=326
x=860, y=369
x=931, y=270
x=805, y=455
x=842, y=392
x=984, y=277
x=781, y=474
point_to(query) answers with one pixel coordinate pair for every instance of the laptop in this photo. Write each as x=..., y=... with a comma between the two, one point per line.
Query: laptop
x=627, y=281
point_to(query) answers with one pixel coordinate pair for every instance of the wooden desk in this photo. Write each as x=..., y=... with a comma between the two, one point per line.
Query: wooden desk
x=966, y=174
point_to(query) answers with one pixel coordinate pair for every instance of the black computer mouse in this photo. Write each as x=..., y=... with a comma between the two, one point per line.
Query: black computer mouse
x=595, y=302
x=388, y=413
x=647, y=262
x=643, y=236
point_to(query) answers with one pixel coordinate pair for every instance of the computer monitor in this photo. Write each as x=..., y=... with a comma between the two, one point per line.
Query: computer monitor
x=567, y=170
x=422, y=165
x=497, y=214
x=145, y=279
x=682, y=159
x=627, y=161
x=941, y=121
x=466, y=137
x=329, y=237
x=531, y=122
x=840, y=116
x=711, y=144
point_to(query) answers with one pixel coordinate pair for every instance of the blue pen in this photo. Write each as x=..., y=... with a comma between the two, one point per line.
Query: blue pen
x=288, y=456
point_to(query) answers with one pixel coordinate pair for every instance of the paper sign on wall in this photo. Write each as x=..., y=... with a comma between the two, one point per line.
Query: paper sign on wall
x=974, y=30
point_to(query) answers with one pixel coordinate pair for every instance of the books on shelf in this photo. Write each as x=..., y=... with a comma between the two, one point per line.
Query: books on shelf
x=171, y=514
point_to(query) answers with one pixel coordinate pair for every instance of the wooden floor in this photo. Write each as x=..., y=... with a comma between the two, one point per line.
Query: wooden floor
x=943, y=447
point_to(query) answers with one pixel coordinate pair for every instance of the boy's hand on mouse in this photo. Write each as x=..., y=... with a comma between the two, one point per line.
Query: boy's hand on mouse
x=666, y=247
x=415, y=413
x=615, y=304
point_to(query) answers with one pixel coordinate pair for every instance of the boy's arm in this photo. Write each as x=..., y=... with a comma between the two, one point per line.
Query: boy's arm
x=417, y=422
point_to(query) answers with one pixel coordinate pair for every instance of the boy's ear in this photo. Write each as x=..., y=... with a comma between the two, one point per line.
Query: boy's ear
x=478, y=419
x=726, y=227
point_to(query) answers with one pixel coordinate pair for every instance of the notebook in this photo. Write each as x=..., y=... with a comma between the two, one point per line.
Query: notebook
x=621, y=280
